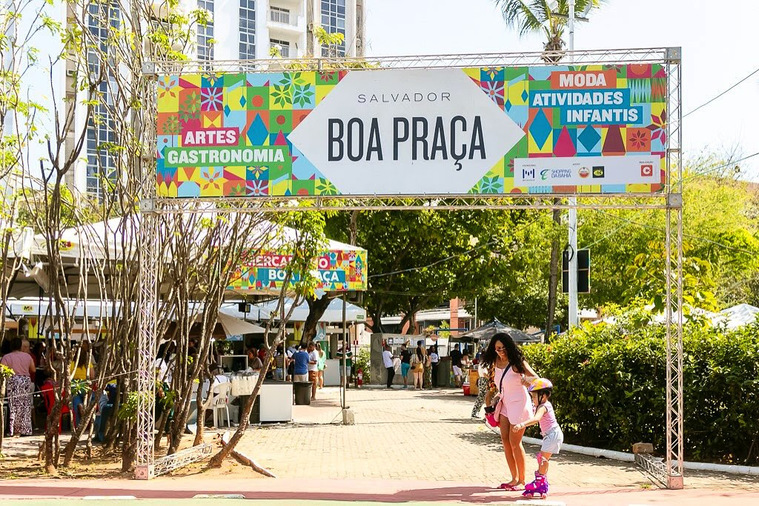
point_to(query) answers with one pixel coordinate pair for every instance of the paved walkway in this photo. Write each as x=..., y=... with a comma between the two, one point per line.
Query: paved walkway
x=406, y=446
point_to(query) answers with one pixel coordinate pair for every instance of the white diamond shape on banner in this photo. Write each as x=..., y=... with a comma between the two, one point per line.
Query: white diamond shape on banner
x=435, y=131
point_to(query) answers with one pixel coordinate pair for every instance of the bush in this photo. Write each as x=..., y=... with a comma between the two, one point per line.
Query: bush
x=362, y=362
x=609, y=388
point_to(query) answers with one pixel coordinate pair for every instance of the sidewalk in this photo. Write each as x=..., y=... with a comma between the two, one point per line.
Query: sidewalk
x=406, y=446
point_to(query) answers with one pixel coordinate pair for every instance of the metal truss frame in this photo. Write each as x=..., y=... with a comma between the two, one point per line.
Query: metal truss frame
x=674, y=276
x=181, y=458
x=584, y=57
x=670, y=472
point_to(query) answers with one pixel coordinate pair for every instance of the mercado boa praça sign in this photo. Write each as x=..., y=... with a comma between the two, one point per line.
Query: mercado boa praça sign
x=336, y=270
x=543, y=129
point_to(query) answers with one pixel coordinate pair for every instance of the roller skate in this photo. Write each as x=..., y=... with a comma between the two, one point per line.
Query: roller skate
x=537, y=487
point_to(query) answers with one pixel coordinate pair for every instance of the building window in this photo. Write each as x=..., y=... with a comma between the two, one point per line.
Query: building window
x=280, y=15
x=101, y=127
x=205, y=33
x=283, y=46
x=333, y=21
x=247, y=29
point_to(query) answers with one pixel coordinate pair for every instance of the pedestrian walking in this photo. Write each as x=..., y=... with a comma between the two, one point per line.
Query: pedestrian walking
x=427, y=368
x=405, y=364
x=387, y=360
x=322, y=364
x=313, y=368
x=435, y=361
x=509, y=373
x=456, y=365
x=482, y=389
x=19, y=389
x=417, y=368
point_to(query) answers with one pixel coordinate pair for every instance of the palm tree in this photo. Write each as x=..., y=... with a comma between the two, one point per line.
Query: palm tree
x=549, y=17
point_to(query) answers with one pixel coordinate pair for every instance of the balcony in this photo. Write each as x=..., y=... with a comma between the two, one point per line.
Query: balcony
x=284, y=23
x=282, y=16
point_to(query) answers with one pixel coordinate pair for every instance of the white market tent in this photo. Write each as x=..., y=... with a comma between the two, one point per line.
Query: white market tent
x=333, y=314
x=108, y=239
x=737, y=316
x=236, y=327
x=95, y=239
x=731, y=318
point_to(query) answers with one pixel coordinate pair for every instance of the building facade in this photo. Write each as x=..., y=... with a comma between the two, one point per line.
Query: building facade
x=249, y=29
x=239, y=30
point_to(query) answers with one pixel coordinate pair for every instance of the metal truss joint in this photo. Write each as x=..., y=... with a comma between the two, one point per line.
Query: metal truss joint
x=144, y=472
x=673, y=54
x=147, y=206
x=674, y=200
x=149, y=69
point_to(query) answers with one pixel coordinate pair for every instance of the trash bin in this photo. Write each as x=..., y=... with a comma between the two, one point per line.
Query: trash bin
x=302, y=391
x=255, y=413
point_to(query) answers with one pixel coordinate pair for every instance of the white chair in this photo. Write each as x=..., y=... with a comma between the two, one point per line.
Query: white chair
x=192, y=417
x=220, y=402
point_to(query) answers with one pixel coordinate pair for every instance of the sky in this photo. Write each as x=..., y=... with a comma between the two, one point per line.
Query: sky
x=717, y=51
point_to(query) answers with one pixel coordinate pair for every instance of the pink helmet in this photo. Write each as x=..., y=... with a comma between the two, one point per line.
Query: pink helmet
x=539, y=384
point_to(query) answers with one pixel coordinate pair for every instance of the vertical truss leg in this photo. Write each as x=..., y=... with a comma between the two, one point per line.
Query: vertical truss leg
x=674, y=337
x=144, y=469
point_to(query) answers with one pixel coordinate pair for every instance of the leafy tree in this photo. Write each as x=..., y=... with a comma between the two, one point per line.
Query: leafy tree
x=549, y=18
x=719, y=244
x=421, y=259
x=518, y=297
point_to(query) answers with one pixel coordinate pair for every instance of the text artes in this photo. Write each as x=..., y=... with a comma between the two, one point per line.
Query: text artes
x=426, y=139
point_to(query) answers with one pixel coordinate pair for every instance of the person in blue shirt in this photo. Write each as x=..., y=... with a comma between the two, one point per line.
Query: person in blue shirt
x=300, y=367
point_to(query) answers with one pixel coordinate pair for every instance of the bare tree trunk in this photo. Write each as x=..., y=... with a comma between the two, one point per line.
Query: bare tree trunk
x=2, y=418
x=202, y=406
x=51, y=444
x=316, y=309
x=129, y=447
x=353, y=228
x=217, y=459
x=84, y=423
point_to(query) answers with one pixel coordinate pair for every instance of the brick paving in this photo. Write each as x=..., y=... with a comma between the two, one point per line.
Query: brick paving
x=426, y=435
x=415, y=447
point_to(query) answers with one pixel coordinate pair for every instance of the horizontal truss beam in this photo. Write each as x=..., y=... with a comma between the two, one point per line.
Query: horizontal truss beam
x=431, y=202
x=585, y=57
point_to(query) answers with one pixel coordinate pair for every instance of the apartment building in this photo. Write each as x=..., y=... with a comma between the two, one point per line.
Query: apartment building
x=240, y=30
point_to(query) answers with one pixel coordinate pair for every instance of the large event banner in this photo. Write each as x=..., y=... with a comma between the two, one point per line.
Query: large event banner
x=337, y=270
x=546, y=129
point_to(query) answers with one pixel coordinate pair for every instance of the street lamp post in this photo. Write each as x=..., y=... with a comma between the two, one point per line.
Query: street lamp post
x=572, y=275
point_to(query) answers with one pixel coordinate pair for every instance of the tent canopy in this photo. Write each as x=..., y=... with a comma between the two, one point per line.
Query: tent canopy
x=341, y=267
x=333, y=314
x=236, y=327
x=487, y=331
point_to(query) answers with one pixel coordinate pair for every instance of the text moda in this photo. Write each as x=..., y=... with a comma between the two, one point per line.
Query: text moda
x=222, y=156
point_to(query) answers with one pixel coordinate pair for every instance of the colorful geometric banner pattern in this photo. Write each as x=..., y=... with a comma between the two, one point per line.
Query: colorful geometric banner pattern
x=226, y=135
x=338, y=270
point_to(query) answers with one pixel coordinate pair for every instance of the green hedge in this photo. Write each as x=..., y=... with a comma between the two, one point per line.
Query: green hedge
x=609, y=389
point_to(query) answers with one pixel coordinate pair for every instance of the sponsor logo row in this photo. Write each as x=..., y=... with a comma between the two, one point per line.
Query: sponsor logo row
x=594, y=171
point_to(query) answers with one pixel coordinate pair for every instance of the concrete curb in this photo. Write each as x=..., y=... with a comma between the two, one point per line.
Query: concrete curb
x=629, y=457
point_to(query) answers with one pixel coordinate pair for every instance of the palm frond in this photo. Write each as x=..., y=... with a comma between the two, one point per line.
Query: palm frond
x=520, y=14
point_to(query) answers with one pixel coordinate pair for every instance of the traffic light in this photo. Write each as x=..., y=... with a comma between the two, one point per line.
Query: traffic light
x=583, y=271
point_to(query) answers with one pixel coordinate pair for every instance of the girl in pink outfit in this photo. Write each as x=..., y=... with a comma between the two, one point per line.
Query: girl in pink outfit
x=509, y=376
x=553, y=437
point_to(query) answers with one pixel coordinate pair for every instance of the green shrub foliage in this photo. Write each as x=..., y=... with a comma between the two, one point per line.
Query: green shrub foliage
x=609, y=388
